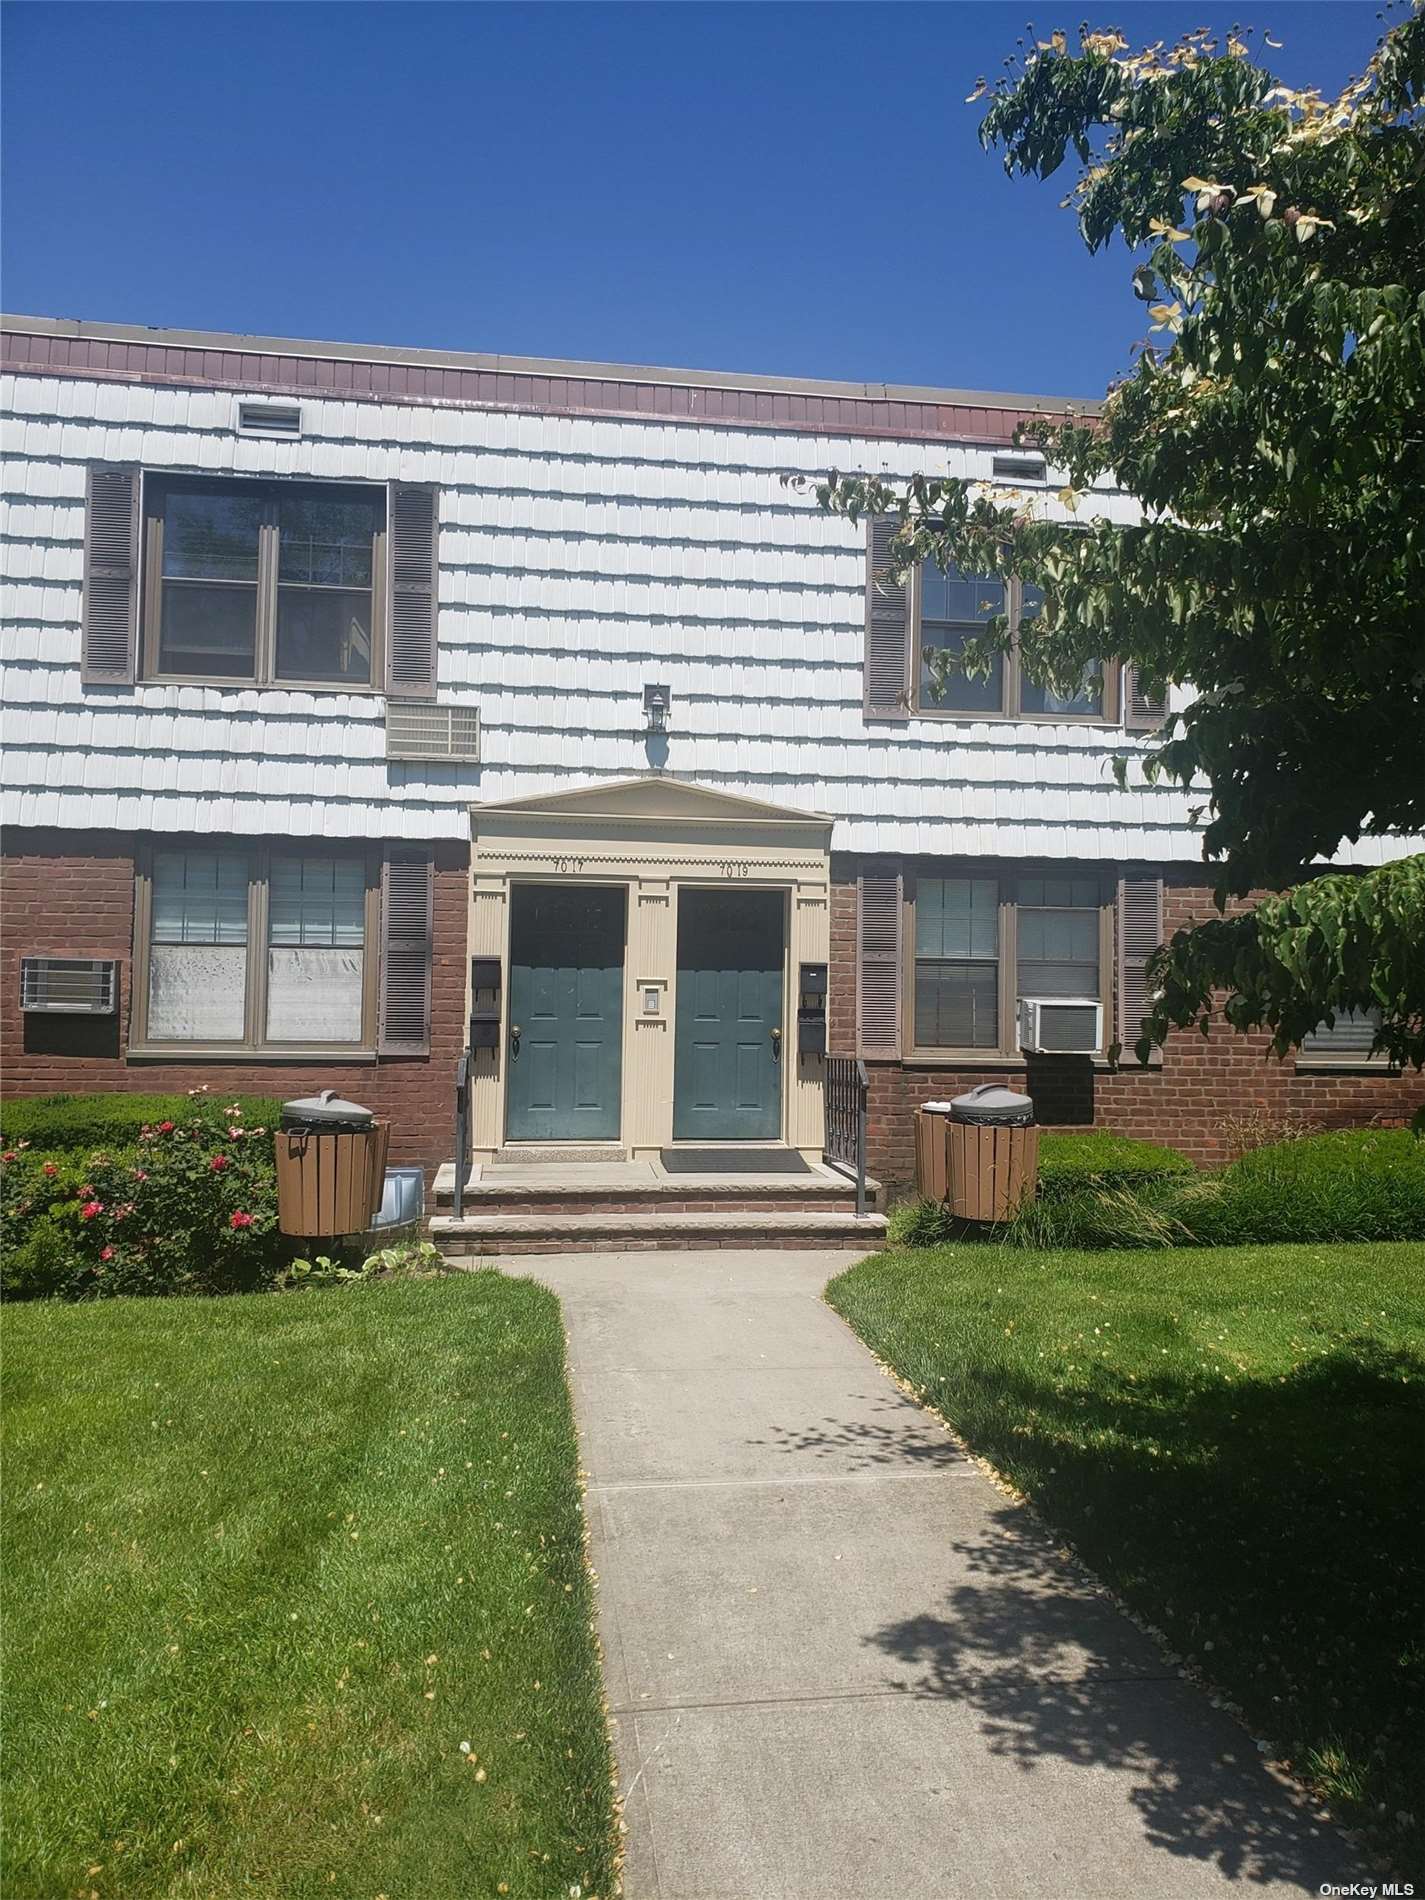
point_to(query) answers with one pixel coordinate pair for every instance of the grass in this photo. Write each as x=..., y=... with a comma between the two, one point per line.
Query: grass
x=1234, y=1440
x=269, y=1563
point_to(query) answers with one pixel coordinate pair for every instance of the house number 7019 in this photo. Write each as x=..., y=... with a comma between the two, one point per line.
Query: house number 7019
x=730, y=869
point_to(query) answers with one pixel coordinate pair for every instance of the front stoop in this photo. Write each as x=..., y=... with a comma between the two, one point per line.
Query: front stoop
x=561, y=1205
x=618, y=1231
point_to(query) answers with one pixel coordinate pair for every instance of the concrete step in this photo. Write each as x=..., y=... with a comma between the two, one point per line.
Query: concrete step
x=641, y=1187
x=480, y=1235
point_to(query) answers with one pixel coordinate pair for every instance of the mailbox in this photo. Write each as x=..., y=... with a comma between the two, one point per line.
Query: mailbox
x=811, y=1032
x=811, y=1010
x=485, y=1002
x=484, y=1029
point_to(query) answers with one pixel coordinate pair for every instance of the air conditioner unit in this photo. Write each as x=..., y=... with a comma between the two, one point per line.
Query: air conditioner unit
x=68, y=986
x=416, y=730
x=1060, y=1025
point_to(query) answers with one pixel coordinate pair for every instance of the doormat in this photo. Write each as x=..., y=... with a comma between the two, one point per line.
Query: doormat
x=733, y=1161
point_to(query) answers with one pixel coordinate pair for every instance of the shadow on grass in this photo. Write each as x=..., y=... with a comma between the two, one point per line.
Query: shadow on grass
x=1269, y=1527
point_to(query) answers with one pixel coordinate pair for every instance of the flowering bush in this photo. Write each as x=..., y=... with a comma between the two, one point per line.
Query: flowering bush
x=190, y=1208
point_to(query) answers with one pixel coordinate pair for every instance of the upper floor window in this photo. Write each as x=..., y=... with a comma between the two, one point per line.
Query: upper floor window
x=947, y=610
x=265, y=583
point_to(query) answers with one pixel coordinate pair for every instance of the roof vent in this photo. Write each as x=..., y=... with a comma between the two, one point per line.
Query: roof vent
x=67, y=986
x=432, y=732
x=269, y=418
x=1019, y=468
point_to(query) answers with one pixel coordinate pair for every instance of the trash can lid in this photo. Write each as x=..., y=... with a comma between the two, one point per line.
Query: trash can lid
x=326, y=1107
x=992, y=1102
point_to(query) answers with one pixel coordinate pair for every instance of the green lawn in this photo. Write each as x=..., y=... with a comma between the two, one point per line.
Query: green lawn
x=1234, y=1439
x=269, y=1563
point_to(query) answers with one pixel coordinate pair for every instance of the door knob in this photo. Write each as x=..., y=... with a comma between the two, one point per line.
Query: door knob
x=515, y=1033
x=776, y=1045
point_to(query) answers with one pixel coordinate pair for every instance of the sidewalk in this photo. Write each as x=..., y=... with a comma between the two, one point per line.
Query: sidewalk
x=841, y=1665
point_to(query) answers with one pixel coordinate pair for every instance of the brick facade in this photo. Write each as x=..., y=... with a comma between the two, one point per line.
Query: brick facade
x=71, y=893
x=1202, y=1084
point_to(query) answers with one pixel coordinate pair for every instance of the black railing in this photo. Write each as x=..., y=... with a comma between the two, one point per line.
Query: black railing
x=845, y=1089
x=462, y=1133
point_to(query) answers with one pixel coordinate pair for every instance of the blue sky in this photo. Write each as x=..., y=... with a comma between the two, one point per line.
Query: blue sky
x=792, y=189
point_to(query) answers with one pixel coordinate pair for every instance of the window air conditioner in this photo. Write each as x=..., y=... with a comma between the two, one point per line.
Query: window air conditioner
x=1060, y=1025
x=67, y=986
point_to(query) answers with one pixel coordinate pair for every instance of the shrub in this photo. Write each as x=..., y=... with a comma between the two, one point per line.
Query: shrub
x=87, y=1122
x=1357, y=1184
x=190, y=1207
x=1070, y=1164
x=919, y=1224
x=1121, y=1217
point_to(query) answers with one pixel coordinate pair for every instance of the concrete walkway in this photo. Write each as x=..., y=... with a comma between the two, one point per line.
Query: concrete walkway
x=842, y=1666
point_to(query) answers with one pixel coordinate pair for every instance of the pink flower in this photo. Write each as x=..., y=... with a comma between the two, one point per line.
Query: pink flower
x=9, y=1155
x=106, y=1253
x=236, y=1133
x=122, y=1213
x=85, y=1193
x=165, y=1128
x=218, y=1163
x=90, y=1209
x=140, y=1174
x=239, y=1219
x=50, y=1168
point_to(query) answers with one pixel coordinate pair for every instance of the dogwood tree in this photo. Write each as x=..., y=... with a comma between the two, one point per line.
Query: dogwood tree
x=1273, y=431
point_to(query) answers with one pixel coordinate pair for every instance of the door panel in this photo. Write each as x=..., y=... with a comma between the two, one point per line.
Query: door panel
x=727, y=1083
x=566, y=995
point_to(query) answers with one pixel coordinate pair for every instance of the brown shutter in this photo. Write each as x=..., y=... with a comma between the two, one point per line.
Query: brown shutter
x=111, y=570
x=888, y=630
x=407, y=896
x=1142, y=712
x=878, y=963
x=411, y=621
x=1140, y=931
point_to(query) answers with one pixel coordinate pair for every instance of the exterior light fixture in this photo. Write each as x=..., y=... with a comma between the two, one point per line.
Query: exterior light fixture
x=655, y=707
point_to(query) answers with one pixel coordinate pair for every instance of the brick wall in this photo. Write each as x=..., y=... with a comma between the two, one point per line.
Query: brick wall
x=69, y=893
x=1202, y=1083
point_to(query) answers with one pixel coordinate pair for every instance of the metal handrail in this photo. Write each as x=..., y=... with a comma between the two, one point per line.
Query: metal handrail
x=846, y=1089
x=462, y=1132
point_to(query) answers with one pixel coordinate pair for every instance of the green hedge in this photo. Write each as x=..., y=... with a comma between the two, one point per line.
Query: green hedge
x=1101, y=1190
x=1096, y=1159
x=68, y=1122
x=1358, y=1184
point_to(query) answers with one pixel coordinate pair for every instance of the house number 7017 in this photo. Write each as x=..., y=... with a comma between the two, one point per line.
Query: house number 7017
x=565, y=865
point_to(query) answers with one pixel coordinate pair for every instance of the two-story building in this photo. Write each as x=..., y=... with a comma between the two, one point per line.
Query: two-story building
x=364, y=702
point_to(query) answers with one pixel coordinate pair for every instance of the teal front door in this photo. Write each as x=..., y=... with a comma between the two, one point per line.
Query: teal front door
x=566, y=1012
x=727, y=1057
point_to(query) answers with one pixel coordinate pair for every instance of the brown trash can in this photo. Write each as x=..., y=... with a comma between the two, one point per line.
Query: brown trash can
x=331, y=1167
x=982, y=1169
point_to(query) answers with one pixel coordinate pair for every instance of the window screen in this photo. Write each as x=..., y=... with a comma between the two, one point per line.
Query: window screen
x=198, y=950
x=957, y=963
x=315, y=957
x=955, y=607
x=1058, y=936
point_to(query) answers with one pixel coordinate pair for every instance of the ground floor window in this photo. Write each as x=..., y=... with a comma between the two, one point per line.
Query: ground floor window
x=256, y=948
x=1346, y=1042
x=979, y=943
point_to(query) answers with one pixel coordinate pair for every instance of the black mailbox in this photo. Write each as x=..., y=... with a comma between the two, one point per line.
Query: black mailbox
x=484, y=1029
x=484, y=974
x=811, y=1032
x=813, y=979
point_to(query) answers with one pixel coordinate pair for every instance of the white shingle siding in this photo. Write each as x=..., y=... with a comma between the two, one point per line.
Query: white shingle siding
x=579, y=557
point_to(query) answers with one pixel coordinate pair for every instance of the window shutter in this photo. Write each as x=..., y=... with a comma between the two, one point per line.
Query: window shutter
x=1140, y=931
x=878, y=963
x=407, y=896
x=411, y=620
x=111, y=567
x=1142, y=712
x=888, y=632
